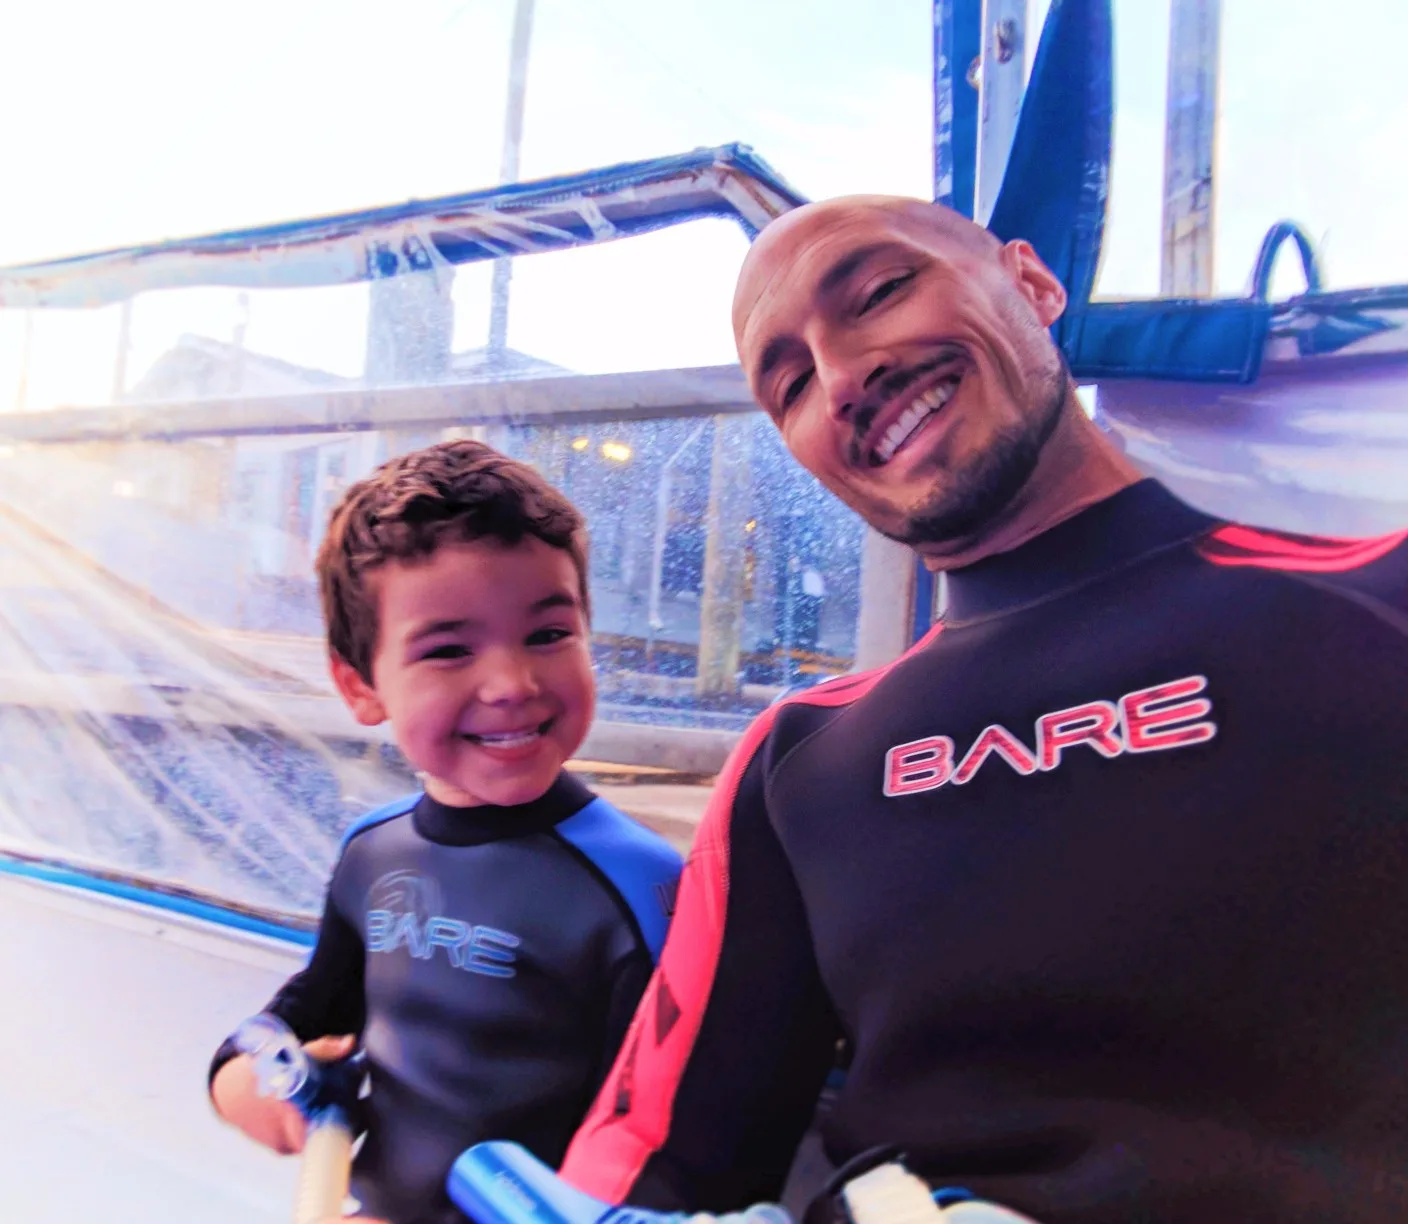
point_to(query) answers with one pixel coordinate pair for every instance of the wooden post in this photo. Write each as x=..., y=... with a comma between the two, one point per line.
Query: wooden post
x=1190, y=142
x=887, y=572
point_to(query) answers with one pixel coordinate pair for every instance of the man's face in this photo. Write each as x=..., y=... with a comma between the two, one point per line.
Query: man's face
x=908, y=369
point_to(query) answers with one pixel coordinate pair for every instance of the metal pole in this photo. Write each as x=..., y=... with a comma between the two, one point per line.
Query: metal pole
x=721, y=601
x=241, y=329
x=22, y=387
x=1003, y=82
x=1190, y=140
x=789, y=569
x=654, y=622
x=508, y=165
x=124, y=344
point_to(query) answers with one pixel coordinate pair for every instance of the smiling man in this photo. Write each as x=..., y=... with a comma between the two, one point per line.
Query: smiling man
x=955, y=315
x=1102, y=886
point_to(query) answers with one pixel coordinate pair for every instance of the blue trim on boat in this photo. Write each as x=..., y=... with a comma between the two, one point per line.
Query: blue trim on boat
x=154, y=897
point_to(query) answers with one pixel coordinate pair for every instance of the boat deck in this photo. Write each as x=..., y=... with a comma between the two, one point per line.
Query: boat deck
x=112, y=1013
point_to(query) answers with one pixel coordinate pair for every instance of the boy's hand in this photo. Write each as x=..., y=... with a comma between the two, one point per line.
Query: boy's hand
x=278, y=1125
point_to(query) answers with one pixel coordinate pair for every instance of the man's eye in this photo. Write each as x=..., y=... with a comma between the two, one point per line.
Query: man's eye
x=546, y=637
x=885, y=290
x=450, y=650
x=795, y=388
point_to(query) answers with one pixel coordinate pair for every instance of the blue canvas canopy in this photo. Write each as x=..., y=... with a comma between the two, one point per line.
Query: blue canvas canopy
x=1288, y=414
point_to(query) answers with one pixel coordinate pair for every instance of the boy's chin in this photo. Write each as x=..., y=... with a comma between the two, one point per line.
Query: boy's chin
x=518, y=793
x=511, y=791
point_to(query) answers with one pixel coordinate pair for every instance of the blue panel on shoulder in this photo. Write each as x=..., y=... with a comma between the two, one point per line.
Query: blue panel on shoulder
x=642, y=866
x=388, y=811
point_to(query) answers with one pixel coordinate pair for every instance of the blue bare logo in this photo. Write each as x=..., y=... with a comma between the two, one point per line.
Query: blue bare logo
x=404, y=911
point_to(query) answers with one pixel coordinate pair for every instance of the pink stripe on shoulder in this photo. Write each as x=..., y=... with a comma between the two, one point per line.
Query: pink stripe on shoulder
x=630, y=1119
x=1249, y=546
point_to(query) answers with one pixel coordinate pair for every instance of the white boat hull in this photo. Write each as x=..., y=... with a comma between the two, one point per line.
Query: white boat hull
x=1318, y=447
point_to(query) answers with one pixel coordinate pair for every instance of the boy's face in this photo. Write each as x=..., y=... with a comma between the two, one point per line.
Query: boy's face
x=482, y=667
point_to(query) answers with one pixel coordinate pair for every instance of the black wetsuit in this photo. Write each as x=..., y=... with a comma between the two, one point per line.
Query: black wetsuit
x=491, y=959
x=1105, y=885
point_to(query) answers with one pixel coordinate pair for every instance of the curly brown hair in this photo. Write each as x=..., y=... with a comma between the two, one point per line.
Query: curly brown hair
x=408, y=507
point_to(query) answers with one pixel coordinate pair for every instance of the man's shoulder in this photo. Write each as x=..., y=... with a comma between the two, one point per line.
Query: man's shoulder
x=820, y=703
x=1370, y=570
x=1237, y=545
x=799, y=715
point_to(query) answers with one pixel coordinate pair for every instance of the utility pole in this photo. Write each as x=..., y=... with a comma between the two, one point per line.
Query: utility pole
x=508, y=168
x=721, y=601
x=238, y=340
x=1190, y=141
x=27, y=346
x=411, y=322
x=124, y=346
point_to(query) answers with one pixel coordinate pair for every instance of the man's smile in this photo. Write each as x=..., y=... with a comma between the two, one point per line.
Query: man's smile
x=910, y=400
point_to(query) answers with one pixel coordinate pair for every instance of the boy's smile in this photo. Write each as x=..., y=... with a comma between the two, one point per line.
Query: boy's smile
x=482, y=667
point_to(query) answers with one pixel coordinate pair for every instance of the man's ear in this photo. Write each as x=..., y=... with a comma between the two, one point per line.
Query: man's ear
x=1035, y=281
x=360, y=696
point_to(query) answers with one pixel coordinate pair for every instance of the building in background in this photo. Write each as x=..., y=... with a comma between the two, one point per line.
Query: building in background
x=241, y=517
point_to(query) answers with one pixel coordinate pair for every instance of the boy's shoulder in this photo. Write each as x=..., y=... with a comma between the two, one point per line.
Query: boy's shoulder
x=640, y=865
x=379, y=816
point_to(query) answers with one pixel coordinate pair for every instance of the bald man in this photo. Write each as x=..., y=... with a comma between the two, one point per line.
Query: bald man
x=1103, y=887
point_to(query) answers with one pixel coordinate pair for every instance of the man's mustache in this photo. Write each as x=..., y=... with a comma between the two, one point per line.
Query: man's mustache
x=886, y=388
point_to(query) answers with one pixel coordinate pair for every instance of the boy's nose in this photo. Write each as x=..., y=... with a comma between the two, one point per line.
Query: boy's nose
x=507, y=677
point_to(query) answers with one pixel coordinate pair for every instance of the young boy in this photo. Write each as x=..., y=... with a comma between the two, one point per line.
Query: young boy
x=485, y=941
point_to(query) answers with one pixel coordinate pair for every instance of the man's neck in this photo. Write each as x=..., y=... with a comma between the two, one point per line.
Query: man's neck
x=1078, y=467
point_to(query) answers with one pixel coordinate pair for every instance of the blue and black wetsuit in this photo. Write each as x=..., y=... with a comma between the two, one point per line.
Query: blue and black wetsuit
x=1104, y=884
x=491, y=959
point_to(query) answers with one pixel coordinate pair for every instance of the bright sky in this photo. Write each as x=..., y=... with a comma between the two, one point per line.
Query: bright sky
x=157, y=118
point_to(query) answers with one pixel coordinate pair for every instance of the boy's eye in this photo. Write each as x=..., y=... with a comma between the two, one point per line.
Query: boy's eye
x=546, y=637
x=450, y=650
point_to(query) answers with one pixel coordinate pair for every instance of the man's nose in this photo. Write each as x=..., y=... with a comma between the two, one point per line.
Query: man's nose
x=506, y=677
x=844, y=382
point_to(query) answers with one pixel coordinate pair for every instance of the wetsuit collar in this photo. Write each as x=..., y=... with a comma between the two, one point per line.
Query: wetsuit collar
x=473, y=826
x=1138, y=520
